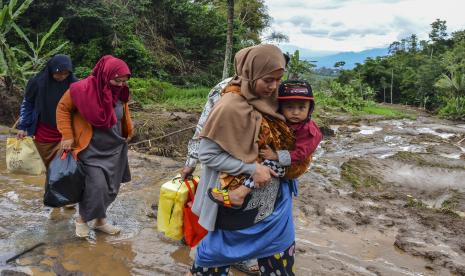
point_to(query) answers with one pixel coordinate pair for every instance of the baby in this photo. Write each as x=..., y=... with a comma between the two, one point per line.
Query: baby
x=296, y=103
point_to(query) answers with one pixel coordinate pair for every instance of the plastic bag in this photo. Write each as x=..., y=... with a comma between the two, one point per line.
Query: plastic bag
x=22, y=157
x=173, y=196
x=65, y=181
x=193, y=231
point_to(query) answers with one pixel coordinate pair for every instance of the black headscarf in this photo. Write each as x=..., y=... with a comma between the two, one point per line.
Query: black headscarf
x=46, y=92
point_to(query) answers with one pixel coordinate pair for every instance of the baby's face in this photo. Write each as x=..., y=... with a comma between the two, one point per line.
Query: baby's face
x=295, y=111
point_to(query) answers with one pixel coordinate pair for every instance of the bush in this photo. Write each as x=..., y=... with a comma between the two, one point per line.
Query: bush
x=147, y=91
x=87, y=55
x=344, y=96
x=82, y=72
x=454, y=109
x=134, y=53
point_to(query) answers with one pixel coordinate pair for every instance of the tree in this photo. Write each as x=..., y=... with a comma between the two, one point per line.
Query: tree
x=229, y=39
x=394, y=47
x=277, y=37
x=339, y=64
x=296, y=67
x=413, y=43
x=453, y=84
x=383, y=85
x=437, y=35
x=438, y=30
x=454, y=87
x=253, y=18
x=180, y=41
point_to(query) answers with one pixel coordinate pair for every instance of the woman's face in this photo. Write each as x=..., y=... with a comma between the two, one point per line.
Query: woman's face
x=266, y=85
x=61, y=76
x=120, y=81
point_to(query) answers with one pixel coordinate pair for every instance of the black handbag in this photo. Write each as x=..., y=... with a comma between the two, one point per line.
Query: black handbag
x=65, y=181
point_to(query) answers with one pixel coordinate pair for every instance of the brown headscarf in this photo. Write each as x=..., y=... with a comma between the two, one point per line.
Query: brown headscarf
x=234, y=122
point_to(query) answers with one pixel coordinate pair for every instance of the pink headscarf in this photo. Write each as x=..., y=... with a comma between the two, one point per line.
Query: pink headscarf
x=95, y=97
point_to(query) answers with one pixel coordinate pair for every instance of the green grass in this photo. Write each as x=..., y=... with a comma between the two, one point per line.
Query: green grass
x=183, y=99
x=385, y=111
x=155, y=93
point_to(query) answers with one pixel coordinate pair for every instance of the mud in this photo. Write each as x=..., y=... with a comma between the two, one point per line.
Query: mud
x=10, y=100
x=152, y=125
x=382, y=197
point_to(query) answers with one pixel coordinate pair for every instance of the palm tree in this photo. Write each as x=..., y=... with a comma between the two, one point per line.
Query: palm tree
x=453, y=84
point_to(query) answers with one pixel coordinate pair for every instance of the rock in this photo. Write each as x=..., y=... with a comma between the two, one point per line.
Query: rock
x=389, y=223
x=326, y=130
x=320, y=210
x=8, y=272
x=374, y=270
x=359, y=218
x=336, y=222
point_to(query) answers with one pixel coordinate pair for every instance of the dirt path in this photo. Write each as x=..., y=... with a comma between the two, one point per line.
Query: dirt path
x=383, y=197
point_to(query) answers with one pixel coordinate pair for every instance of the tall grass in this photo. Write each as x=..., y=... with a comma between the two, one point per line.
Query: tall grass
x=151, y=92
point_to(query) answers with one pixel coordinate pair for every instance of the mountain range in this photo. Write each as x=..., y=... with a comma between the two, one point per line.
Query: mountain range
x=328, y=59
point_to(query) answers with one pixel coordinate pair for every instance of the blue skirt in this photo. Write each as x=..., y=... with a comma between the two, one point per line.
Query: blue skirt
x=270, y=236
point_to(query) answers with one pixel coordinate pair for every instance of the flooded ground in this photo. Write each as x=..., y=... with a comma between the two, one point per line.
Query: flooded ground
x=383, y=197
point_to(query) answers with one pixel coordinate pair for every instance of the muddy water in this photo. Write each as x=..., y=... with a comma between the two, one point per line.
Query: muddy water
x=338, y=231
x=138, y=250
x=353, y=232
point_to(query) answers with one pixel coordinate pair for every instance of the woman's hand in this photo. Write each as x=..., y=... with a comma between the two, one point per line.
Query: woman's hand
x=21, y=134
x=262, y=175
x=186, y=171
x=67, y=144
x=268, y=154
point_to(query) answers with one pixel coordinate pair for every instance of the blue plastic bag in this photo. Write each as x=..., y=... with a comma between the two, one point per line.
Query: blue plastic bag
x=65, y=181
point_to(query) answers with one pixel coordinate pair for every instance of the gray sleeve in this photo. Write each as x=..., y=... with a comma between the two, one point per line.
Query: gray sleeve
x=213, y=156
x=284, y=157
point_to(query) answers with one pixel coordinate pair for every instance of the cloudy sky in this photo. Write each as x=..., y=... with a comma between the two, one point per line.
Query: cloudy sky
x=356, y=25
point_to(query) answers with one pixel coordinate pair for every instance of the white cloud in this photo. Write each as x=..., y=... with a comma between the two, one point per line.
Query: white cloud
x=356, y=25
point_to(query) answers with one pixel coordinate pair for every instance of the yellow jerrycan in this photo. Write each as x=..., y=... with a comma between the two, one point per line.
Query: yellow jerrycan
x=173, y=196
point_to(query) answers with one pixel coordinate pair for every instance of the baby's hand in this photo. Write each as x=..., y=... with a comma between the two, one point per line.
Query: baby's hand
x=268, y=154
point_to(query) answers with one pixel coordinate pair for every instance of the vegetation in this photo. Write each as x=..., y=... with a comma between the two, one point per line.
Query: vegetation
x=354, y=172
x=167, y=96
x=298, y=68
x=182, y=42
x=426, y=73
x=385, y=111
x=17, y=63
x=171, y=45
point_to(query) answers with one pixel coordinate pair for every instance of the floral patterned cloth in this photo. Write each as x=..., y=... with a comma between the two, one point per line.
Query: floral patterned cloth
x=273, y=132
